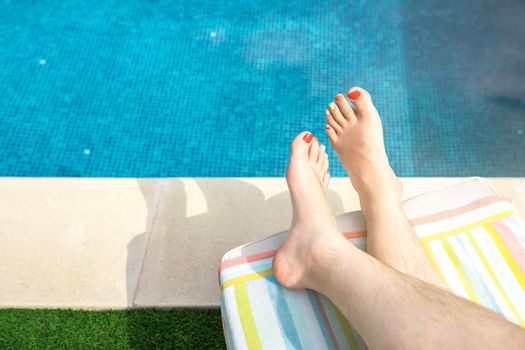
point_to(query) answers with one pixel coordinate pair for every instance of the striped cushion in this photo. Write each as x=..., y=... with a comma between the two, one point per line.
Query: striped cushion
x=478, y=248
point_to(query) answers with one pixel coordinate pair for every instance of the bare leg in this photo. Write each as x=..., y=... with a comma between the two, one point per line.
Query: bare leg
x=389, y=309
x=357, y=137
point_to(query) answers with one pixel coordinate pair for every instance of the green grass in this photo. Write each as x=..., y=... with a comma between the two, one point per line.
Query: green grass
x=122, y=329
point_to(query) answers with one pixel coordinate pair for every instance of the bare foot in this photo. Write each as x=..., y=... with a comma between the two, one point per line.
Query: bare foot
x=313, y=230
x=356, y=135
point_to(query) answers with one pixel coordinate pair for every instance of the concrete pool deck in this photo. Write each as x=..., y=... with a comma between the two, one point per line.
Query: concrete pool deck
x=101, y=243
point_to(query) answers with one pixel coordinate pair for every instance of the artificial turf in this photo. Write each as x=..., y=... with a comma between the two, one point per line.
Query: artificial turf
x=116, y=329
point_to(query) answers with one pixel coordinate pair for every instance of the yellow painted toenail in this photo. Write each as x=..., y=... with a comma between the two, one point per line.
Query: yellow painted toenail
x=331, y=106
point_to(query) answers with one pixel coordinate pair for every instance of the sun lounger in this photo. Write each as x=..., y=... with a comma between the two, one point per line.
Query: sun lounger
x=474, y=238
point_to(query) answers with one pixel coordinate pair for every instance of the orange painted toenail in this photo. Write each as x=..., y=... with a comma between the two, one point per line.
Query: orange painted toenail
x=316, y=139
x=338, y=97
x=354, y=95
x=308, y=138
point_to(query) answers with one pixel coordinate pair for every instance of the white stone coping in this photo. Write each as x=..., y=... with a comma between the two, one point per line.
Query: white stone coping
x=98, y=243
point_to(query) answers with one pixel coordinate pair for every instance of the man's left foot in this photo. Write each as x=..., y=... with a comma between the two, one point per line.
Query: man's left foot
x=313, y=233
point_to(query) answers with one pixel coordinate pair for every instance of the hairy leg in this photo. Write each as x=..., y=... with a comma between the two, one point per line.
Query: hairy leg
x=356, y=135
x=389, y=309
x=392, y=310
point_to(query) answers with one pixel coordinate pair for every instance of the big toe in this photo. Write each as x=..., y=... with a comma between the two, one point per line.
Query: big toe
x=362, y=101
x=300, y=145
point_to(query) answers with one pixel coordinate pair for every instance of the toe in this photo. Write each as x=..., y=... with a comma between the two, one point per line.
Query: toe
x=314, y=150
x=362, y=101
x=320, y=160
x=326, y=180
x=324, y=165
x=321, y=153
x=300, y=145
x=345, y=108
x=336, y=113
x=331, y=121
x=332, y=135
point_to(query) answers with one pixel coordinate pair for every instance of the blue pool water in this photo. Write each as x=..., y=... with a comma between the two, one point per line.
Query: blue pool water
x=209, y=88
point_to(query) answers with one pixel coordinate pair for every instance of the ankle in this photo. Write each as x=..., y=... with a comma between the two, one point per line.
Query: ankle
x=379, y=208
x=381, y=197
x=373, y=186
x=324, y=255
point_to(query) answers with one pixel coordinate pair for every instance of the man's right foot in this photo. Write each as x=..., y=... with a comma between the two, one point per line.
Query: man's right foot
x=356, y=135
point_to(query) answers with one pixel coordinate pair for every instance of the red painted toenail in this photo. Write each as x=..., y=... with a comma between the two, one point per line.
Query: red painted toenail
x=354, y=95
x=308, y=138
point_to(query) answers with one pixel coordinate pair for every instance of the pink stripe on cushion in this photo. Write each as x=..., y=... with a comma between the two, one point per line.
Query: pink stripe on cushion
x=325, y=318
x=458, y=211
x=356, y=234
x=246, y=259
x=513, y=245
x=266, y=254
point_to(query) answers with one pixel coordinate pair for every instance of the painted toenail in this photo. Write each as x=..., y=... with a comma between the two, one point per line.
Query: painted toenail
x=308, y=137
x=316, y=139
x=327, y=113
x=354, y=95
x=331, y=106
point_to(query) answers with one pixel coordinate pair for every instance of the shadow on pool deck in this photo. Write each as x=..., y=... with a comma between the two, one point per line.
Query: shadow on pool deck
x=188, y=237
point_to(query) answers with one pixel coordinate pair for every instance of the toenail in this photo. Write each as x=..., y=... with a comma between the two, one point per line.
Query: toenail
x=308, y=137
x=316, y=139
x=331, y=106
x=354, y=95
x=327, y=113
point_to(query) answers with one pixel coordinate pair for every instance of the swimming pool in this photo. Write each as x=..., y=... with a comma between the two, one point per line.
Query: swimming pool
x=205, y=88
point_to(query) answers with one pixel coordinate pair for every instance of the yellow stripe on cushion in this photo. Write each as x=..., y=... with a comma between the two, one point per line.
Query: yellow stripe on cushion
x=459, y=269
x=433, y=259
x=495, y=279
x=245, y=278
x=246, y=316
x=467, y=227
x=513, y=264
x=349, y=334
